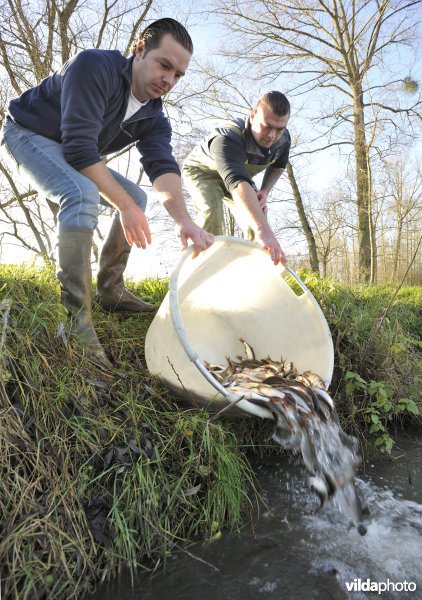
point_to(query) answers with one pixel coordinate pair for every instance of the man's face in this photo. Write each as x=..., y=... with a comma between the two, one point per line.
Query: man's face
x=156, y=72
x=267, y=127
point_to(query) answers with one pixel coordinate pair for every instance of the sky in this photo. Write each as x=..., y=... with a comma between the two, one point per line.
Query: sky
x=321, y=172
x=151, y=262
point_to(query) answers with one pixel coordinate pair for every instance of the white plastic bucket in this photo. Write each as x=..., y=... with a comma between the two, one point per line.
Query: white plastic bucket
x=233, y=291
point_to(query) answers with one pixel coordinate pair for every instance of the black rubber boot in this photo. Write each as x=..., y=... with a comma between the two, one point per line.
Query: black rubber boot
x=111, y=292
x=74, y=274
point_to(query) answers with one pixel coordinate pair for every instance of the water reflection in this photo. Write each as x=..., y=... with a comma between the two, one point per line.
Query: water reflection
x=293, y=553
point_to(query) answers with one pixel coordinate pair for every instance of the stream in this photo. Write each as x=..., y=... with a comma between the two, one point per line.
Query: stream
x=293, y=552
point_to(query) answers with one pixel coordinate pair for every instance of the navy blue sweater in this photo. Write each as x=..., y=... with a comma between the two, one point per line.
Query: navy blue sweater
x=82, y=106
x=231, y=153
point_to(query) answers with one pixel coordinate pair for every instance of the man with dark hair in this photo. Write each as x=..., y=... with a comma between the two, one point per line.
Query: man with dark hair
x=151, y=36
x=56, y=135
x=220, y=170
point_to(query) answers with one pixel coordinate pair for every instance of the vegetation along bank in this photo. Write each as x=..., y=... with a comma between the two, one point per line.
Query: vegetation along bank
x=104, y=471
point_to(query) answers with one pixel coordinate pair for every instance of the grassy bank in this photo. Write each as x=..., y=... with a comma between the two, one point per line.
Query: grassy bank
x=102, y=471
x=377, y=379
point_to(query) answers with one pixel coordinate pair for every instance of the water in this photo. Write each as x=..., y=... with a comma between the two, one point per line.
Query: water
x=289, y=552
x=328, y=453
x=305, y=421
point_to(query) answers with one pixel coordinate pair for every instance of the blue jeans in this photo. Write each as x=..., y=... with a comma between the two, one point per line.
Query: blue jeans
x=41, y=163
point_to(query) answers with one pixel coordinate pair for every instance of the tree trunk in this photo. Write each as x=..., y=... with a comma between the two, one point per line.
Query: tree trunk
x=312, y=249
x=397, y=250
x=365, y=267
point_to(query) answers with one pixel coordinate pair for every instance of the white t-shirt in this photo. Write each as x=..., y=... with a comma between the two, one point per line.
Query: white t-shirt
x=133, y=106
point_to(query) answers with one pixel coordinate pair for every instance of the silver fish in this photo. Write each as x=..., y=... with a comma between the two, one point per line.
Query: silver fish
x=250, y=354
x=305, y=420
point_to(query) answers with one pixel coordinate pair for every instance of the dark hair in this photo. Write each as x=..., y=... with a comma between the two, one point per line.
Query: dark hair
x=277, y=102
x=153, y=34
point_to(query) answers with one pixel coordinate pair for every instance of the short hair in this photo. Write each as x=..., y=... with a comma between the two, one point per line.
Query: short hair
x=277, y=102
x=153, y=34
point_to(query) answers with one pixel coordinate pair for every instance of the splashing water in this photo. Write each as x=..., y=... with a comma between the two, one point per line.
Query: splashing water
x=305, y=421
x=391, y=550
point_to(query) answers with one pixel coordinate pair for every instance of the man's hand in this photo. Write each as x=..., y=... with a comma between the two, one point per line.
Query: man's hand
x=135, y=225
x=267, y=240
x=246, y=196
x=188, y=230
x=170, y=188
x=133, y=219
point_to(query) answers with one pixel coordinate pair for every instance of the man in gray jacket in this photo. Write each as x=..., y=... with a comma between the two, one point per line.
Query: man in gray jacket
x=57, y=133
x=220, y=170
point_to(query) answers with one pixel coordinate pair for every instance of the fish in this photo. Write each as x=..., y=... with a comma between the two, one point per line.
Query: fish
x=319, y=486
x=311, y=379
x=275, y=380
x=304, y=420
x=250, y=354
x=324, y=397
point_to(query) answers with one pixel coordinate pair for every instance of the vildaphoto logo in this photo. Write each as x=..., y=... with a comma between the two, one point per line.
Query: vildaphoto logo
x=366, y=585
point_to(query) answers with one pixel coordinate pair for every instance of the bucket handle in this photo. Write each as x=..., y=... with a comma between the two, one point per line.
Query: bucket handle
x=181, y=330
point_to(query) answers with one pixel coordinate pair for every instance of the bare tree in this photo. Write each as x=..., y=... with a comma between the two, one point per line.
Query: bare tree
x=405, y=207
x=310, y=239
x=36, y=37
x=343, y=49
x=328, y=224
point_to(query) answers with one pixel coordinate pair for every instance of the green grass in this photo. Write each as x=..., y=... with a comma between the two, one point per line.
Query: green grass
x=383, y=349
x=100, y=472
